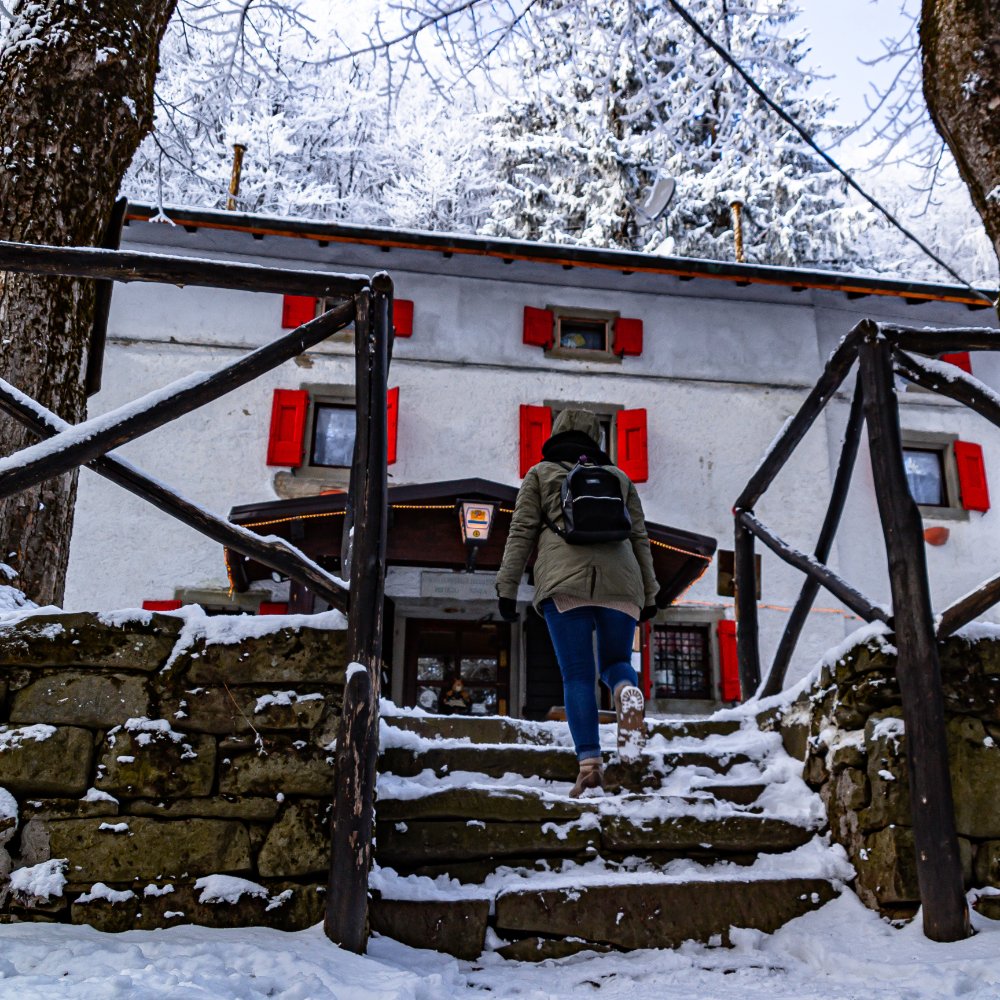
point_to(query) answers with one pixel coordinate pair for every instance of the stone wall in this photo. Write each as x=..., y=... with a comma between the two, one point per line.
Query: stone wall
x=144, y=756
x=856, y=757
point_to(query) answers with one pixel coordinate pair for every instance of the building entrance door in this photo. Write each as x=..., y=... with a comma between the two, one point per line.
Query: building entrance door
x=457, y=668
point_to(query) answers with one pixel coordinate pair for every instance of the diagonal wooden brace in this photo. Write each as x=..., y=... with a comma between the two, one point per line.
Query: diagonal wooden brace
x=83, y=443
x=275, y=553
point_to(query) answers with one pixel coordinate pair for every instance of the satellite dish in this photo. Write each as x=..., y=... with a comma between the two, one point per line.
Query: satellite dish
x=657, y=199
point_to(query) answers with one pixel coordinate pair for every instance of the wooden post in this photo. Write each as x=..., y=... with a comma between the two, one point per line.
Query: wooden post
x=736, y=207
x=234, y=181
x=102, y=303
x=841, y=483
x=747, y=632
x=918, y=669
x=346, y=920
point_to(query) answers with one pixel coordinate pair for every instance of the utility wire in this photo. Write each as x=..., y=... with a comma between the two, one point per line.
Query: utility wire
x=808, y=139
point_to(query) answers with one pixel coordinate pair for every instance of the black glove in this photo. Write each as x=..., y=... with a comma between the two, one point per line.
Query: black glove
x=661, y=599
x=508, y=608
x=647, y=613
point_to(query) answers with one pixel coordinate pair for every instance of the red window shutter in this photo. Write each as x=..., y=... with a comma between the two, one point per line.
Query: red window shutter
x=633, y=453
x=402, y=317
x=961, y=359
x=972, y=476
x=536, y=427
x=296, y=310
x=538, y=327
x=729, y=667
x=392, y=421
x=628, y=337
x=288, y=425
x=273, y=608
x=161, y=605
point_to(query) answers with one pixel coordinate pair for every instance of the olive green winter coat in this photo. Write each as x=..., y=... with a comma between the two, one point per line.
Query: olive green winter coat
x=604, y=571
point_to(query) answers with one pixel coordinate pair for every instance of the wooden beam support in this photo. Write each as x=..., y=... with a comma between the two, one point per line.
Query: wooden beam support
x=841, y=483
x=837, y=367
x=278, y=554
x=825, y=576
x=346, y=917
x=89, y=440
x=747, y=629
x=968, y=608
x=960, y=386
x=924, y=341
x=918, y=669
x=126, y=265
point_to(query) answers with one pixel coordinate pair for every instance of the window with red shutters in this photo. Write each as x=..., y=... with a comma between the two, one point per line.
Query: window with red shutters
x=161, y=605
x=538, y=327
x=296, y=310
x=402, y=317
x=288, y=423
x=536, y=427
x=392, y=420
x=633, y=451
x=627, y=337
x=729, y=667
x=972, y=476
x=960, y=359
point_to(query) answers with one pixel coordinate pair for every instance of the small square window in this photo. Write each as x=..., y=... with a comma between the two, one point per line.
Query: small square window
x=925, y=475
x=583, y=334
x=578, y=333
x=333, y=436
x=932, y=474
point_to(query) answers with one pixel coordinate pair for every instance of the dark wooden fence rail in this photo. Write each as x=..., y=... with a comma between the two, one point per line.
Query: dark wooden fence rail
x=881, y=353
x=367, y=302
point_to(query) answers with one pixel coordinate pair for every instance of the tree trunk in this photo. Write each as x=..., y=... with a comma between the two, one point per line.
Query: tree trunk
x=76, y=99
x=960, y=41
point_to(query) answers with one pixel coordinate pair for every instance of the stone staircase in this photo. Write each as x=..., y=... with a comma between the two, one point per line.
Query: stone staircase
x=479, y=846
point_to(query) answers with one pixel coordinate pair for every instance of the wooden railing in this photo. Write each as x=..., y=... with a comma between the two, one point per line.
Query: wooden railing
x=881, y=353
x=365, y=302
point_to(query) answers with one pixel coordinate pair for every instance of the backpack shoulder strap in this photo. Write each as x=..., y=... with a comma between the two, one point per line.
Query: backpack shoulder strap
x=561, y=532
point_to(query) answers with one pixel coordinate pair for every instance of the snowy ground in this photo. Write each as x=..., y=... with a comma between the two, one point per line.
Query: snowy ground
x=842, y=952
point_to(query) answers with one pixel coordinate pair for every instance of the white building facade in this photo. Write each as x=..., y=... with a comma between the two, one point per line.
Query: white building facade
x=694, y=366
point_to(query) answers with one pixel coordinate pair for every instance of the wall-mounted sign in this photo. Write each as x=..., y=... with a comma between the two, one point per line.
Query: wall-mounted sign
x=458, y=586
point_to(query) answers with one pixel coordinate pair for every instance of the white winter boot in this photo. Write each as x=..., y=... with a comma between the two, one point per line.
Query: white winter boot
x=630, y=707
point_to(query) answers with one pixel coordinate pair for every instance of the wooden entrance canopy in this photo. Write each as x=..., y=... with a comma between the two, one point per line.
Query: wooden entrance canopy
x=424, y=531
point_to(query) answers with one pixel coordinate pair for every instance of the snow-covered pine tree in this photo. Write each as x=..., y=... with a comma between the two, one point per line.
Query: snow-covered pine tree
x=325, y=139
x=621, y=90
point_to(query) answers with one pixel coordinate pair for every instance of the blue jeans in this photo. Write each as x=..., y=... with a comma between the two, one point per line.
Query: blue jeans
x=572, y=636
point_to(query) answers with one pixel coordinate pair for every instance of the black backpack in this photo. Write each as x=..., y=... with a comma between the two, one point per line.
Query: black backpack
x=593, y=509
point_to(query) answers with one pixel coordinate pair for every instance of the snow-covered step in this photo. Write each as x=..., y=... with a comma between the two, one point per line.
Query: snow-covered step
x=712, y=827
x=416, y=843
x=479, y=800
x=498, y=729
x=548, y=762
x=643, y=914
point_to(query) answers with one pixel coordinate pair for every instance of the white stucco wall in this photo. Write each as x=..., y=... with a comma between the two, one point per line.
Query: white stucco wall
x=721, y=370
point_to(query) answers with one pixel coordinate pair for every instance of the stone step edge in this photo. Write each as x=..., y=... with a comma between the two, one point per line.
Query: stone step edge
x=459, y=926
x=565, y=809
